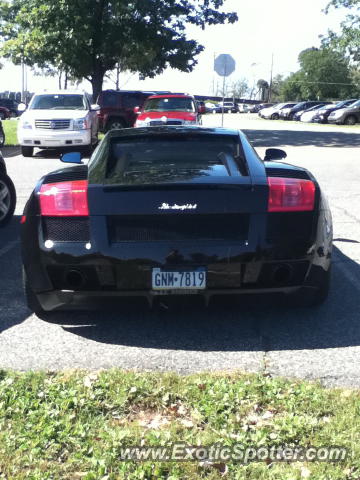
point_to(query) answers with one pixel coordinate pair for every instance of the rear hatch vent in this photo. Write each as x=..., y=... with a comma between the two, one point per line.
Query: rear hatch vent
x=287, y=173
x=153, y=228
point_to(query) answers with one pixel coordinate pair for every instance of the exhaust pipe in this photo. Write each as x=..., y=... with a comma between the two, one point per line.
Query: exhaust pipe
x=282, y=274
x=74, y=279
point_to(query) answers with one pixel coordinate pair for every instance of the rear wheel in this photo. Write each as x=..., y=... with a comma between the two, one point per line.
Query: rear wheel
x=2, y=136
x=7, y=199
x=350, y=120
x=27, y=151
x=115, y=124
x=30, y=297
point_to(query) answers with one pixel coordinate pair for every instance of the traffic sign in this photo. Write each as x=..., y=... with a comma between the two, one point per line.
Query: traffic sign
x=224, y=65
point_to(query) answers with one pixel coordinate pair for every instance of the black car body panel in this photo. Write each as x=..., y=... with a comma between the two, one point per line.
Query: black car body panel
x=133, y=228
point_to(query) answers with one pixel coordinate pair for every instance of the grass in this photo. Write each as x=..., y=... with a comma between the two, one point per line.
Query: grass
x=10, y=127
x=72, y=425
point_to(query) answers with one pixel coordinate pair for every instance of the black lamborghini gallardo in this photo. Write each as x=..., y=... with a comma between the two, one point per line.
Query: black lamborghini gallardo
x=175, y=211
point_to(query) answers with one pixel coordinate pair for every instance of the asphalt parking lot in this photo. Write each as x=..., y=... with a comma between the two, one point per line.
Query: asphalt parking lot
x=319, y=343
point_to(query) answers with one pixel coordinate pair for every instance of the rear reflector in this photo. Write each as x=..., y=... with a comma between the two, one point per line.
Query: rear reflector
x=64, y=199
x=290, y=195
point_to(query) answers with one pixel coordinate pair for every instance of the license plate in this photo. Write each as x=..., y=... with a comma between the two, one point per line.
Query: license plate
x=189, y=280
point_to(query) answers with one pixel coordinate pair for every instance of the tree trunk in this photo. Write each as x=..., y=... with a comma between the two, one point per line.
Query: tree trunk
x=117, y=75
x=97, y=82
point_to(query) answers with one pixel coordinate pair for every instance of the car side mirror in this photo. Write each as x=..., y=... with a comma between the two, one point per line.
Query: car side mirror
x=94, y=107
x=201, y=109
x=71, y=157
x=21, y=107
x=274, y=154
x=137, y=110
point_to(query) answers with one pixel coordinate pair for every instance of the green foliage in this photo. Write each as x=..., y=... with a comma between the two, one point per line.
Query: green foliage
x=10, y=127
x=348, y=40
x=87, y=38
x=72, y=425
x=324, y=74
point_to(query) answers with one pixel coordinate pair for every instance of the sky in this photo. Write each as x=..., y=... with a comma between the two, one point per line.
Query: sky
x=282, y=28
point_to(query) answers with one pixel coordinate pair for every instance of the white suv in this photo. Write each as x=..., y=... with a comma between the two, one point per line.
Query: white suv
x=58, y=119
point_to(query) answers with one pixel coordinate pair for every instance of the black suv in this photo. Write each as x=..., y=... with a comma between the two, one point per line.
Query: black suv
x=117, y=107
x=11, y=105
x=7, y=194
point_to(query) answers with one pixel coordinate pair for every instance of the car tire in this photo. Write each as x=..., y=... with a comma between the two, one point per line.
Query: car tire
x=275, y=116
x=2, y=136
x=350, y=120
x=2, y=116
x=31, y=299
x=115, y=124
x=27, y=151
x=7, y=199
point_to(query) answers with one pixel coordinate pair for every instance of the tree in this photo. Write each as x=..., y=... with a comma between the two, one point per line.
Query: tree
x=239, y=88
x=348, y=40
x=276, y=87
x=324, y=74
x=88, y=38
x=263, y=87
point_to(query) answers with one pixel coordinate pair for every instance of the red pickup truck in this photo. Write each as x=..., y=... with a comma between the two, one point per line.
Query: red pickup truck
x=170, y=109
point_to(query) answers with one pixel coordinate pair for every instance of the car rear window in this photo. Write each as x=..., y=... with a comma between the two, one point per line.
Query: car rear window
x=161, y=160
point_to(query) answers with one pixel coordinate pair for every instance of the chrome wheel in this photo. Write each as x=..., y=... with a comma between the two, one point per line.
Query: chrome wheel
x=5, y=200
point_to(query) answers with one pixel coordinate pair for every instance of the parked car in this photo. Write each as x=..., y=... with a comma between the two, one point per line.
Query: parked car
x=274, y=112
x=117, y=108
x=308, y=115
x=324, y=112
x=7, y=194
x=229, y=107
x=11, y=105
x=4, y=113
x=256, y=108
x=173, y=109
x=2, y=135
x=347, y=115
x=243, y=107
x=153, y=212
x=58, y=119
x=289, y=113
x=297, y=116
x=212, y=107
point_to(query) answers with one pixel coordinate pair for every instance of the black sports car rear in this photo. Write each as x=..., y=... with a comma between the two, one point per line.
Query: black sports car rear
x=175, y=210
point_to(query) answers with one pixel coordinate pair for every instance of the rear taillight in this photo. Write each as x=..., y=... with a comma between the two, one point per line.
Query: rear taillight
x=290, y=195
x=64, y=199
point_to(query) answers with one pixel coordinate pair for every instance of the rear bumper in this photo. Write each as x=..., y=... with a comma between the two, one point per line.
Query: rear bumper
x=61, y=279
x=66, y=299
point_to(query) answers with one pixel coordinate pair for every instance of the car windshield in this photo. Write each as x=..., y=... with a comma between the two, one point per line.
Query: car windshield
x=59, y=102
x=169, y=104
x=150, y=160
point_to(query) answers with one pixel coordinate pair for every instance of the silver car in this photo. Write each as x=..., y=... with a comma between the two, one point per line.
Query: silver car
x=346, y=116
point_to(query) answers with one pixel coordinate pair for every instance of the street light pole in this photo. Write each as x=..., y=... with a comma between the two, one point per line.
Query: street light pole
x=271, y=77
